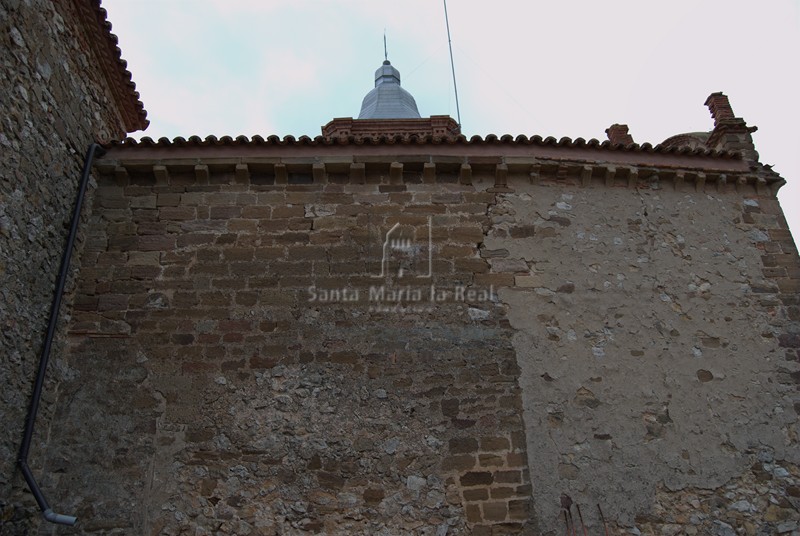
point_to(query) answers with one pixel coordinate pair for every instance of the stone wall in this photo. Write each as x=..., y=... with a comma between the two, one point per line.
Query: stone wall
x=55, y=103
x=656, y=334
x=243, y=360
x=241, y=365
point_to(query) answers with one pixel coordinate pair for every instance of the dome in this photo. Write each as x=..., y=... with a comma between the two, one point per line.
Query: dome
x=690, y=140
x=388, y=100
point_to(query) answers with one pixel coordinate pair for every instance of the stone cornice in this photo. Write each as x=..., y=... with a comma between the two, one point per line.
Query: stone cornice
x=497, y=170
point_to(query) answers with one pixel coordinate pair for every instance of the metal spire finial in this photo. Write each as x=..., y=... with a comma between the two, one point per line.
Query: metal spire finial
x=385, y=51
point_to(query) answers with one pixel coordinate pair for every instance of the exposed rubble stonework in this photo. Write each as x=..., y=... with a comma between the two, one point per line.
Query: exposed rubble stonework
x=56, y=100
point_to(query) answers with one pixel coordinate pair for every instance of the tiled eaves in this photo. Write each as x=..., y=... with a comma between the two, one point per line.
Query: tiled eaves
x=273, y=161
x=106, y=46
x=507, y=139
x=422, y=149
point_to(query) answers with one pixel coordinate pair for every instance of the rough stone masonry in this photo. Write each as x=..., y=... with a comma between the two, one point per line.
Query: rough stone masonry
x=55, y=102
x=292, y=336
x=399, y=331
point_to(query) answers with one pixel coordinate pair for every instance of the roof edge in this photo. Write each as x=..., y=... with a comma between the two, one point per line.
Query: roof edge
x=94, y=19
x=414, y=139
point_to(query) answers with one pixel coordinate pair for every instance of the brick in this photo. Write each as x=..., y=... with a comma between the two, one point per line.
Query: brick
x=288, y=211
x=209, y=254
x=214, y=298
x=112, y=302
x=458, y=463
x=168, y=200
x=237, y=225
x=461, y=445
x=271, y=198
x=508, y=477
x=122, y=243
x=194, y=239
x=257, y=212
x=247, y=298
x=787, y=285
x=155, y=243
x=177, y=213
x=780, y=234
x=224, y=212
x=490, y=460
x=474, y=513
x=387, y=188
x=263, y=362
x=400, y=198
x=447, y=198
x=519, y=509
x=208, y=338
x=476, y=494
x=144, y=272
x=334, y=222
x=420, y=209
x=185, y=299
x=270, y=252
x=232, y=337
x=289, y=268
x=525, y=489
x=291, y=238
x=301, y=198
x=234, y=325
x=471, y=265
x=143, y=201
x=503, y=493
x=516, y=459
x=505, y=279
x=151, y=258
x=246, y=199
x=182, y=338
x=238, y=254
x=197, y=367
x=495, y=511
x=494, y=443
x=211, y=269
x=220, y=198
x=309, y=253
x=479, y=197
x=128, y=287
x=456, y=251
x=191, y=198
x=463, y=234
x=476, y=478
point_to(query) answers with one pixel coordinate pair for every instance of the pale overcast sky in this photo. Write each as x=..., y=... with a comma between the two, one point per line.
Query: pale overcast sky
x=569, y=68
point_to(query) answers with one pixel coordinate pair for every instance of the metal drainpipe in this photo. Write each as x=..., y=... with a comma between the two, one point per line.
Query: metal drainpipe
x=33, y=409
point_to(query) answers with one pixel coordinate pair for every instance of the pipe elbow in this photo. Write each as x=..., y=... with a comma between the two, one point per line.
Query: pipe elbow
x=61, y=519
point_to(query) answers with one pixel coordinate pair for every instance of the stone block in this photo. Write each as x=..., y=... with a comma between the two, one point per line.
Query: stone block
x=495, y=511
